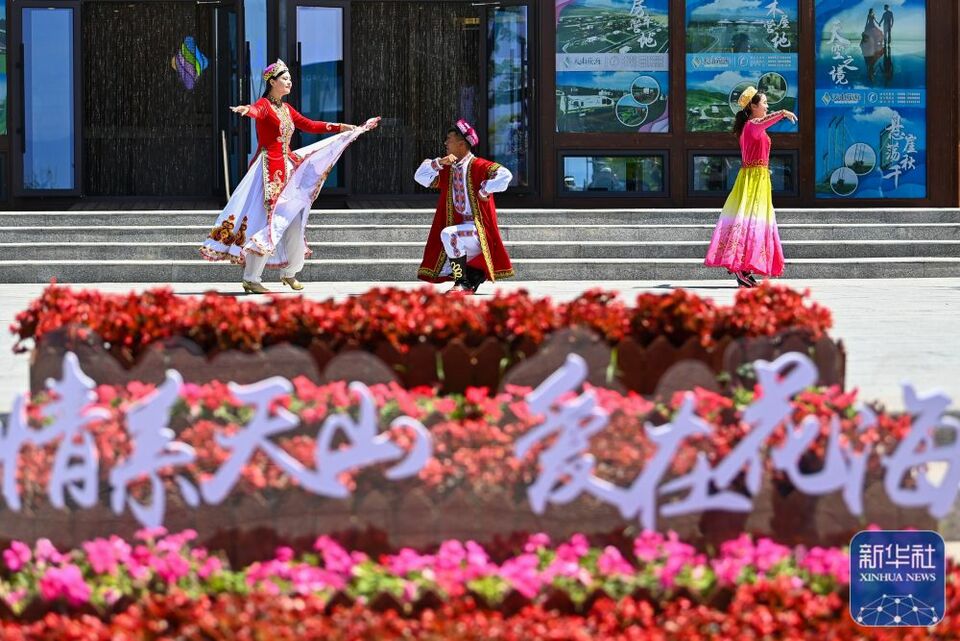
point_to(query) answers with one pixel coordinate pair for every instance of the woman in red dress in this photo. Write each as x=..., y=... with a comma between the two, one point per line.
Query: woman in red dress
x=252, y=230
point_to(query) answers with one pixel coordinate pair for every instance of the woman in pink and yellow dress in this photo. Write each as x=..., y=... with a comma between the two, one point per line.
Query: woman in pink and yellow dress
x=745, y=240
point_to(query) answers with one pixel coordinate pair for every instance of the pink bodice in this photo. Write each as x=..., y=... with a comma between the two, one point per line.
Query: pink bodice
x=754, y=141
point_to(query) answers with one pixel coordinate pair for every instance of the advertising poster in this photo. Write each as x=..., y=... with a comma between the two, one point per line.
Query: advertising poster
x=3, y=67
x=871, y=99
x=612, y=65
x=735, y=44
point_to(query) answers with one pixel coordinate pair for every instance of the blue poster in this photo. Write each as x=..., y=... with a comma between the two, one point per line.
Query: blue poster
x=3, y=67
x=735, y=44
x=612, y=66
x=871, y=121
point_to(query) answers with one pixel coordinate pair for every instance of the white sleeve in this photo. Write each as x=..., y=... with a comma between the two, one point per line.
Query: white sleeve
x=499, y=182
x=427, y=172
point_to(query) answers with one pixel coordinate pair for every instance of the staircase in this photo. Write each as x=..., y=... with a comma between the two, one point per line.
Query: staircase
x=382, y=245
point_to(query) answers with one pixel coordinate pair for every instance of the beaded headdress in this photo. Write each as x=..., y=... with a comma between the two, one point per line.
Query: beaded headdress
x=274, y=70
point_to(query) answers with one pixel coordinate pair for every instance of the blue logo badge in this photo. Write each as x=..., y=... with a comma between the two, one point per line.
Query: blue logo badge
x=897, y=578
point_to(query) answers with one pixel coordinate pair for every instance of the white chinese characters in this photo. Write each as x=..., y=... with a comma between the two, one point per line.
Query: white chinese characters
x=154, y=448
x=566, y=467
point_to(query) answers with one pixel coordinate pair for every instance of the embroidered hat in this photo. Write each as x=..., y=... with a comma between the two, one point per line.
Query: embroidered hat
x=275, y=69
x=746, y=97
x=468, y=132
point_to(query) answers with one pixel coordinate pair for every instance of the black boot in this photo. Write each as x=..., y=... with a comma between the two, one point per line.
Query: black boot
x=458, y=269
x=475, y=278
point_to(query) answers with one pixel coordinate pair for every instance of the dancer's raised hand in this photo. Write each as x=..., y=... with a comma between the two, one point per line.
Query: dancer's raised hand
x=243, y=110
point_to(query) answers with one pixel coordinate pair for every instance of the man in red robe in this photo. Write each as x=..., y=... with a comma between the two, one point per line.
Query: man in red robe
x=464, y=244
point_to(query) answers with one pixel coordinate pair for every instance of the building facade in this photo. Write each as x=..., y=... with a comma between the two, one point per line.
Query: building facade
x=591, y=103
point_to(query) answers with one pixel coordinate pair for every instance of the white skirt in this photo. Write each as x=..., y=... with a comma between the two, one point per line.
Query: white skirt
x=245, y=225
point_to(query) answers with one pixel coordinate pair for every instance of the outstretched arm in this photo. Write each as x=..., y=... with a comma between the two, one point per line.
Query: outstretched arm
x=253, y=111
x=303, y=123
x=773, y=118
x=498, y=181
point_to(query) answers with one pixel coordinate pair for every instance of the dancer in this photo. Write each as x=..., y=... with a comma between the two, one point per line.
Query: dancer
x=745, y=240
x=464, y=242
x=265, y=221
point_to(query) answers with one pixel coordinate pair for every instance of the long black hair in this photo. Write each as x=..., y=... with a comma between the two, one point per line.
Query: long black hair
x=744, y=114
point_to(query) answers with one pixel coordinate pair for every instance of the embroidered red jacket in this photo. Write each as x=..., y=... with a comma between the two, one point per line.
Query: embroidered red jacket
x=493, y=259
x=275, y=127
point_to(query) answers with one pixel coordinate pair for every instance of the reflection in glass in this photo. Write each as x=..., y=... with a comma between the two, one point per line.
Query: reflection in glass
x=48, y=161
x=716, y=174
x=255, y=26
x=637, y=174
x=321, y=71
x=3, y=70
x=508, y=91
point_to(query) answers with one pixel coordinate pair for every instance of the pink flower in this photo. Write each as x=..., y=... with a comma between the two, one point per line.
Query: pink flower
x=15, y=597
x=111, y=595
x=335, y=558
x=210, y=567
x=104, y=555
x=536, y=542
x=574, y=550
x=768, y=554
x=17, y=555
x=522, y=575
x=646, y=547
x=408, y=560
x=67, y=582
x=612, y=563
x=46, y=552
x=825, y=562
x=284, y=554
x=170, y=567
x=150, y=534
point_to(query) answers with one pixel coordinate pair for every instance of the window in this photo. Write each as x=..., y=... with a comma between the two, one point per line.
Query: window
x=620, y=175
x=321, y=71
x=713, y=174
x=49, y=159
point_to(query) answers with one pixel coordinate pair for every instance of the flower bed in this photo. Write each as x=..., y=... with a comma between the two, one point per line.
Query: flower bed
x=410, y=330
x=472, y=470
x=656, y=587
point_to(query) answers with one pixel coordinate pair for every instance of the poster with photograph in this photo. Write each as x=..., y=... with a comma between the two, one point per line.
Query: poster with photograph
x=871, y=134
x=735, y=44
x=612, y=66
x=3, y=67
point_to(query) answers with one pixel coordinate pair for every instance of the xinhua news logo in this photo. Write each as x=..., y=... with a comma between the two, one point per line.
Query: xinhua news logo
x=897, y=578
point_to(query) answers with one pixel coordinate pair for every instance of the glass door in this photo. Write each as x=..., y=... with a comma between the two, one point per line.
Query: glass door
x=510, y=96
x=49, y=123
x=232, y=138
x=319, y=69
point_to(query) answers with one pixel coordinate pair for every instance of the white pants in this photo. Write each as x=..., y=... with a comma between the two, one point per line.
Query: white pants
x=291, y=245
x=460, y=240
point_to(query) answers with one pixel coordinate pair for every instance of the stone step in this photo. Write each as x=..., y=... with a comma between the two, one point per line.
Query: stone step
x=206, y=218
x=394, y=270
x=814, y=249
x=547, y=232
